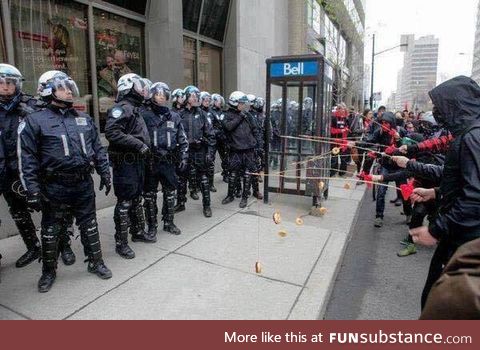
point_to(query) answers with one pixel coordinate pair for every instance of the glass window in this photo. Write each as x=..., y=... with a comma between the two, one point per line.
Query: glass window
x=214, y=18
x=52, y=35
x=189, y=60
x=3, y=53
x=210, y=75
x=138, y=6
x=191, y=14
x=119, y=48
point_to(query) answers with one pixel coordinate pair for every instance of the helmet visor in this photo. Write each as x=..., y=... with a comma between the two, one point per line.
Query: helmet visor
x=65, y=89
x=9, y=86
x=141, y=87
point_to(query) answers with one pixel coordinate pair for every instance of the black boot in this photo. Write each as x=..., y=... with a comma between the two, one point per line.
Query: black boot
x=93, y=250
x=64, y=248
x=194, y=195
x=181, y=194
x=168, y=213
x=47, y=279
x=232, y=180
x=151, y=211
x=211, y=178
x=205, y=187
x=122, y=223
x=26, y=228
x=255, y=187
x=238, y=188
x=137, y=227
x=50, y=237
x=247, y=184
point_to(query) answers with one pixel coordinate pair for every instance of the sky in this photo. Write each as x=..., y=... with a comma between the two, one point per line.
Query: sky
x=452, y=22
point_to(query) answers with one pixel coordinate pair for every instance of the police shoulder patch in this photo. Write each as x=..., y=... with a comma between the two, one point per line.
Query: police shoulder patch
x=117, y=112
x=170, y=124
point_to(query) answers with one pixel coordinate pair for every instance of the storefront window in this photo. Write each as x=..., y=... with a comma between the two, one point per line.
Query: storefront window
x=119, y=48
x=189, y=61
x=3, y=53
x=214, y=18
x=138, y=6
x=210, y=75
x=191, y=14
x=52, y=35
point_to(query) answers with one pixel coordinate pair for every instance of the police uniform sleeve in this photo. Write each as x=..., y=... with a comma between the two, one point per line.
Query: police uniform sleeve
x=28, y=157
x=2, y=163
x=115, y=130
x=256, y=132
x=208, y=134
x=232, y=121
x=182, y=141
x=101, y=156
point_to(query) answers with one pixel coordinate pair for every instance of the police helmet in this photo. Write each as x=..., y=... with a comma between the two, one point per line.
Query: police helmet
x=11, y=75
x=159, y=89
x=133, y=84
x=52, y=81
x=216, y=98
x=236, y=98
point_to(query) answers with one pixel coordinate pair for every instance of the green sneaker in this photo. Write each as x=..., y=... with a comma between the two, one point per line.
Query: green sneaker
x=378, y=222
x=408, y=250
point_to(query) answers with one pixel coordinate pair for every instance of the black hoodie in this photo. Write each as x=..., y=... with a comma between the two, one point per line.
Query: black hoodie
x=458, y=103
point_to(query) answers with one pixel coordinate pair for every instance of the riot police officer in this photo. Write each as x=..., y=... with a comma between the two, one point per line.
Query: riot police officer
x=178, y=99
x=218, y=104
x=168, y=137
x=201, y=140
x=259, y=117
x=2, y=171
x=129, y=146
x=59, y=149
x=206, y=106
x=243, y=136
x=14, y=107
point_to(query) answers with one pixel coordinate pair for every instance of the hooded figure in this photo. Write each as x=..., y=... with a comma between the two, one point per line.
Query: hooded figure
x=457, y=108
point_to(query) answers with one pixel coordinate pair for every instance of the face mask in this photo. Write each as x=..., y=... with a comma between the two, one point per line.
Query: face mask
x=441, y=120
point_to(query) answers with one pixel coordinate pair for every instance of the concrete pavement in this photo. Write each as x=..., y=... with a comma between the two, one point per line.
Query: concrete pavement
x=208, y=272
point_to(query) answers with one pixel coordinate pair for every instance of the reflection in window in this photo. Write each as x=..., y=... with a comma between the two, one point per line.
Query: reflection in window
x=214, y=18
x=210, y=75
x=189, y=61
x=137, y=6
x=191, y=14
x=52, y=35
x=119, y=48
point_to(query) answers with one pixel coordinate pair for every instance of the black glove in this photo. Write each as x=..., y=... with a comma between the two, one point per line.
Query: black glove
x=144, y=150
x=182, y=167
x=106, y=183
x=34, y=202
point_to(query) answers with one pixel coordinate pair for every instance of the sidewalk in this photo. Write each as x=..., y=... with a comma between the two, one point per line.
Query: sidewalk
x=208, y=272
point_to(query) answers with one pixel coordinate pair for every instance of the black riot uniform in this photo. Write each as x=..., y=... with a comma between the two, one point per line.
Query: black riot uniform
x=201, y=140
x=2, y=170
x=211, y=168
x=59, y=149
x=168, y=141
x=243, y=136
x=129, y=144
x=259, y=119
x=10, y=117
x=221, y=139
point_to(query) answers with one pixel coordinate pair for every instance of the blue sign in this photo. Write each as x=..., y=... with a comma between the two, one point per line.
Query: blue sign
x=294, y=69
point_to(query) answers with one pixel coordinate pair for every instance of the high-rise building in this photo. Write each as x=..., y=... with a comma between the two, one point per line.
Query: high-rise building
x=476, y=50
x=419, y=74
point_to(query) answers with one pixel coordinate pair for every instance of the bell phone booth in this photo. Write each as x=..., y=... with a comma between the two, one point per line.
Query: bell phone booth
x=298, y=107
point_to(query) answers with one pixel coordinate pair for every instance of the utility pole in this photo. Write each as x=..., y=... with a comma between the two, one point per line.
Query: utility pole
x=373, y=72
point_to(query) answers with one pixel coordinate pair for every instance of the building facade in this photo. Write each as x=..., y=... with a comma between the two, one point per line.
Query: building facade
x=218, y=45
x=476, y=50
x=419, y=73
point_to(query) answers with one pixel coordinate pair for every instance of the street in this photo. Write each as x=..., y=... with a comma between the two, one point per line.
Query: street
x=373, y=283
